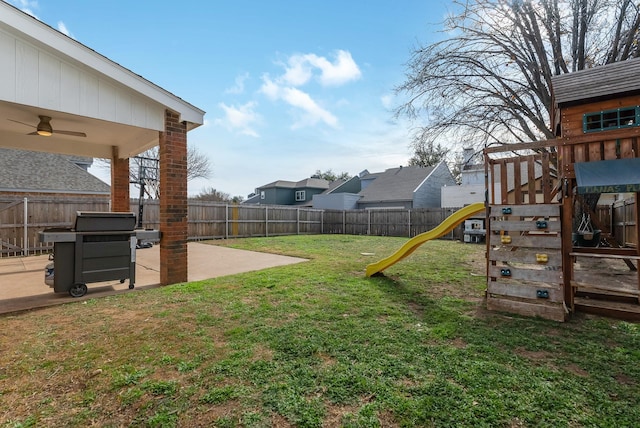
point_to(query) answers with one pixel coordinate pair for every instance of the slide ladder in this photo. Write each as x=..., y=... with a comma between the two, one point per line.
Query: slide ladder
x=442, y=229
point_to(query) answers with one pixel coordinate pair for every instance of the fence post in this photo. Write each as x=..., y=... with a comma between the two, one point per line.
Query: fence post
x=25, y=233
x=266, y=221
x=226, y=221
x=409, y=212
x=344, y=222
x=369, y=222
x=322, y=222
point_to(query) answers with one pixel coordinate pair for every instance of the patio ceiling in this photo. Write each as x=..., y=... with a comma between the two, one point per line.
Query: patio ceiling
x=101, y=135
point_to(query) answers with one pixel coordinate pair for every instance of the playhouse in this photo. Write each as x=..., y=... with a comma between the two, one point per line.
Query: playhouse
x=561, y=232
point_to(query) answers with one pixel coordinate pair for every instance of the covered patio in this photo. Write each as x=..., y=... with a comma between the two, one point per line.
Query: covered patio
x=60, y=96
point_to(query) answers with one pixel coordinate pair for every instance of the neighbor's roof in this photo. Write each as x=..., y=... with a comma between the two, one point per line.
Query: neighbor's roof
x=601, y=81
x=395, y=184
x=307, y=183
x=25, y=171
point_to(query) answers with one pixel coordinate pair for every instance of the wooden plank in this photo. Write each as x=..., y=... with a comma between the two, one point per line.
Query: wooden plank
x=577, y=251
x=533, y=145
x=546, y=178
x=595, y=151
x=625, y=311
x=517, y=184
x=579, y=153
x=611, y=149
x=627, y=148
x=525, y=226
x=581, y=283
x=554, y=312
x=528, y=241
x=537, y=210
x=526, y=291
x=504, y=186
x=519, y=273
x=605, y=256
x=531, y=181
x=580, y=138
x=526, y=255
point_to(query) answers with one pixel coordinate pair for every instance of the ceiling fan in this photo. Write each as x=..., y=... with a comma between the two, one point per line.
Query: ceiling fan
x=45, y=129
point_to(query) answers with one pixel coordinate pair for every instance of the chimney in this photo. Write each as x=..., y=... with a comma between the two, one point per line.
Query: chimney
x=467, y=157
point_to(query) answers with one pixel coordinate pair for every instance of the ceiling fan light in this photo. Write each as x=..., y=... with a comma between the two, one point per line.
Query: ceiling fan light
x=44, y=127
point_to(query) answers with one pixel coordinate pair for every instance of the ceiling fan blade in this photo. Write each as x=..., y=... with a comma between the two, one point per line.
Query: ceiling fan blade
x=22, y=123
x=72, y=133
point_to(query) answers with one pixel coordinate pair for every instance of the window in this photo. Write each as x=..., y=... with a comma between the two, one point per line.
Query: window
x=611, y=119
x=300, y=195
x=262, y=196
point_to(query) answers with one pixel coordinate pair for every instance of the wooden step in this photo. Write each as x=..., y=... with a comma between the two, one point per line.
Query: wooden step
x=612, y=309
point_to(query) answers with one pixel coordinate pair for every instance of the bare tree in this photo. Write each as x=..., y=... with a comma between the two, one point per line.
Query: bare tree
x=144, y=168
x=428, y=154
x=213, y=195
x=489, y=81
x=331, y=176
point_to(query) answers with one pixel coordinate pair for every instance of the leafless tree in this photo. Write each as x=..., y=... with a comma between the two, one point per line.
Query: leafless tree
x=213, y=195
x=145, y=166
x=488, y=81
x=331, y=176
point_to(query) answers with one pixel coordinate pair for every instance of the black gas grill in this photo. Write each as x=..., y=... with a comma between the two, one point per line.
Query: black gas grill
x=101, y=247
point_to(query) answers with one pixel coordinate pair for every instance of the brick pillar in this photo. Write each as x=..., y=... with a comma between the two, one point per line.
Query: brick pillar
x=173, y=200
x=119, y=183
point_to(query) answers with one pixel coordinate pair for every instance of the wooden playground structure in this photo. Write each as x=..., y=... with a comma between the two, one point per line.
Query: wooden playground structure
x=549, y=253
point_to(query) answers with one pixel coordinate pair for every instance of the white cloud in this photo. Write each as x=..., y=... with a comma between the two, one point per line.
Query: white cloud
x=64, y=30
x=343, y=70
x=387, y=101
x=297, y=71
x=239, y=119
x=312, y=112
x=238, y=88
x=26, y=6
x=300, y=69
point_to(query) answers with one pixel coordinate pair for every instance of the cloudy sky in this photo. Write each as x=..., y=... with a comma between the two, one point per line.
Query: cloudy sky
x=289, y=86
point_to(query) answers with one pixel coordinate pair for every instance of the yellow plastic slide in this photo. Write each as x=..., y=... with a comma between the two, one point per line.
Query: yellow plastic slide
x=442, y=229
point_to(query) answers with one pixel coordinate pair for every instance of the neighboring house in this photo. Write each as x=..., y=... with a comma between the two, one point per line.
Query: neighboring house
x=341, y=195
x=284, y=192
x=472, y=186
x=25, y=173
x=405, y=187
x=472, y=183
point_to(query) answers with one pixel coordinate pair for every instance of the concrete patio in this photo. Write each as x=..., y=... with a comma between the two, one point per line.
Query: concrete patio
x=22, y=285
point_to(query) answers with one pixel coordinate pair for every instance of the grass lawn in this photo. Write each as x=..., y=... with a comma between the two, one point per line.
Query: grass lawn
x=316, y=344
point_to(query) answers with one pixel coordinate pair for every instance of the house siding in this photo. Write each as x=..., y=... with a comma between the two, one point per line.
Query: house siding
x=407, y=205
x=429, y=193
x=459, y=196
x=336, y=201
x=353, y=185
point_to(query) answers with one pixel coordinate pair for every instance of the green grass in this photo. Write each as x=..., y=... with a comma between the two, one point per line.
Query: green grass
x=316, y=344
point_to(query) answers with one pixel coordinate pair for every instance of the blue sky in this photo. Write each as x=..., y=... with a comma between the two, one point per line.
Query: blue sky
x=289, y=86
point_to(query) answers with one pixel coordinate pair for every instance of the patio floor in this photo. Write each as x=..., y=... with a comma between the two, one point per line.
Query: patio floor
x=22, y=285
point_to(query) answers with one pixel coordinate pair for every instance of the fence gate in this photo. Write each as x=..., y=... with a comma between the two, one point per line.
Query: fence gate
x=14, y=230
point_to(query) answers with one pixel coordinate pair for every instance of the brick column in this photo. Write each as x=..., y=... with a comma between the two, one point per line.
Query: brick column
x=119, y=182
x=173, y=200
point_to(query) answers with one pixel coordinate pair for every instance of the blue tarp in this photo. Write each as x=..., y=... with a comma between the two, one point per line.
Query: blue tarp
x=609, y=176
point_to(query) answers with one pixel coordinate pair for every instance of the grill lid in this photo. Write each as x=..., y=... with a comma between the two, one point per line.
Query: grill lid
x=95, y=221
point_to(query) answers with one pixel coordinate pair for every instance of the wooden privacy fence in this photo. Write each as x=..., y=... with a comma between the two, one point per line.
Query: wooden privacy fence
x=22, y=219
